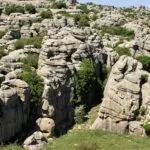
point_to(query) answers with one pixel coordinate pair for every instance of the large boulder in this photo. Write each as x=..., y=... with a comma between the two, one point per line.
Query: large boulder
x=125, y=95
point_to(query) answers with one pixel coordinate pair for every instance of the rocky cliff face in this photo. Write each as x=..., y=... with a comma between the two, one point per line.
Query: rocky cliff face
x=61, y=55
x=125, y=95
x=14, y=107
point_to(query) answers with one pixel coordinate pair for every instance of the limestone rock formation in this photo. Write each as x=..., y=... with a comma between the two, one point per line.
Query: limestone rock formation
x=14, y=107
x=126, y=93
x=60, y=57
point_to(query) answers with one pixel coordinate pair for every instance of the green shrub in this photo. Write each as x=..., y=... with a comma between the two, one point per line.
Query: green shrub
x=76, y=18
x=46, y=14
x=80, y=114
x=84, y=8
x=118, y=30
x=12, y=8
x=84, y=20
x=81, y=19
x=59, y=5
x=122, y=51
x=145, y=60
x=94, y=17
x=36, y=41
x=30, y=76
x=31, y=60
x=85, y=81
x=147, y=127
x=30, y=8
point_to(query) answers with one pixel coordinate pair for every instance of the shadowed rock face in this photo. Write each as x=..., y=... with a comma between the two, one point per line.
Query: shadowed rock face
x=124, y=96
x=14, y=108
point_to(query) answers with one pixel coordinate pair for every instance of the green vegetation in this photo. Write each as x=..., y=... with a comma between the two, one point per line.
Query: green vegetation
x=145, y=60
x=98, y=140
x=46, y=14
x=65, y=13
x=85, y=81
x=2, y=33
x=2, y=52
x=122, y=51
x=84, y=8
x=84, y=20
x=81, y=19
x=12, y=8
x=30, y=76
x=35, y=83
x=147, y=127
x=30, y=9
x=87, y=89
x=80, y=114
x=93, y=140
x=36, y=41
x=11, y=147
x=118, y=30
x=59, y=5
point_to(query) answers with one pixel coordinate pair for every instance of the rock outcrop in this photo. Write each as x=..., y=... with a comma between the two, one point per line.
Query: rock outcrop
x=61, y=55
x=14, y=107
x=125, y=95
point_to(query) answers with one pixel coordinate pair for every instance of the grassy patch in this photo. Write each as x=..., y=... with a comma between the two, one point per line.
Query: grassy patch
x=36, y=41
x=118, y=30
x=11, y=147
x=94, y=140
x=122, y=51
x=98, y=140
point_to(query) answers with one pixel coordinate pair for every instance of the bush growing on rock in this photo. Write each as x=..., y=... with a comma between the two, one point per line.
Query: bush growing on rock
x=46, y=14
x=34, y=81
x=84, y=8
x=84, y=20
x=31, y=60
x=35, y=41
x=30, y=9
x=118, y=30
x=12, y=8
x=59, y=5
x=147, y=127
x=81, y=19
x=145, y=60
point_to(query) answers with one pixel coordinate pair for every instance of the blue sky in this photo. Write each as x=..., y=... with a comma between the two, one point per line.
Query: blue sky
x=119, y=2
